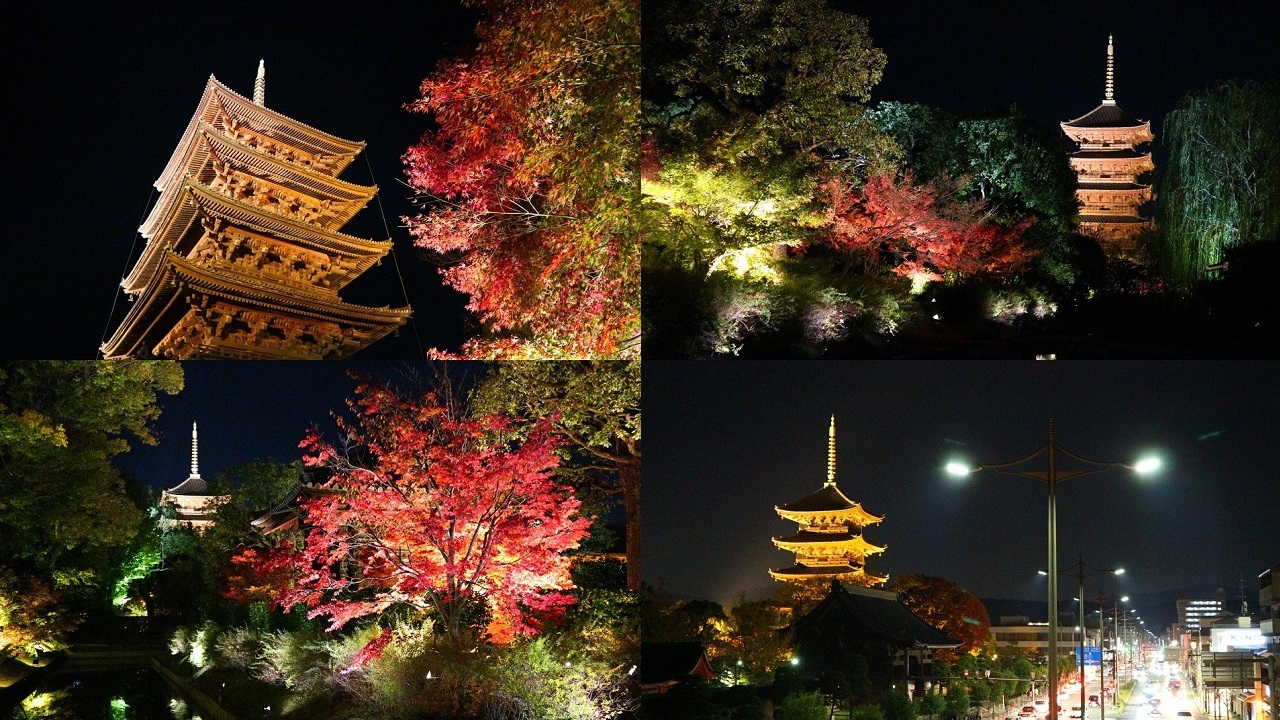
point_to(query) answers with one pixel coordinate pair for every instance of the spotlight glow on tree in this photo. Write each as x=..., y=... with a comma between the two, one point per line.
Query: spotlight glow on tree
x=431, y=509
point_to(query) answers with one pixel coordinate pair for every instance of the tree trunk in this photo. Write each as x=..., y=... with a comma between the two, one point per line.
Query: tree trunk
x=629, y=475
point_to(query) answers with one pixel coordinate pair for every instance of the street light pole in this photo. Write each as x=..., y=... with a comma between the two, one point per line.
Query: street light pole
x=1051, y=478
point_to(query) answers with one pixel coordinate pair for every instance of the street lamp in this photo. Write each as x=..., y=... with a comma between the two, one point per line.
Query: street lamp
x=1051, y=477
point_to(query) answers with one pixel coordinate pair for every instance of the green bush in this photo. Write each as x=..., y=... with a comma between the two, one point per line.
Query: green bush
x=802, y=706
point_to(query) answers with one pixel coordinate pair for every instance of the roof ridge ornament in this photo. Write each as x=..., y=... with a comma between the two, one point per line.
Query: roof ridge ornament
x=831, y=454
x=195, y=452
x=1109, y=98
x=260, y=84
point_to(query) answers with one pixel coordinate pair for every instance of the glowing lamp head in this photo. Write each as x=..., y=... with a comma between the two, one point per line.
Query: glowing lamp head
x=1119, y=571
x=958, y=469
x=1147, y=465
x=795, y=661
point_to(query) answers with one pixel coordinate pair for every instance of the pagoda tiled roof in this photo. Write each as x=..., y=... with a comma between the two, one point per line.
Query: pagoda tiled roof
x=181, y=216
x=219, y=98
x=1121, y=186
x=828, y=499
x=809, y=570
x=1105, y=116
x=194, y=485
x=177, y=279
x=1114, y=219
x=1108, y=154
x=810, y=536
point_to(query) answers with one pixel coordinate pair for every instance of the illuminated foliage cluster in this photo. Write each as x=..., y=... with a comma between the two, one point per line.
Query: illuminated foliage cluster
x=529, y=179
x=595, y=407
x=65, y=513
x=431, y=509
x=948, y=607
x=1222, y=185
x=917, y=232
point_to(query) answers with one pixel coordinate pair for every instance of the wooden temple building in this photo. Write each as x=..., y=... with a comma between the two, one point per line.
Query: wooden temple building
x=191, y=500
x=1108, y=165
x=244, y=256
x=874, y=624
x=828, y=544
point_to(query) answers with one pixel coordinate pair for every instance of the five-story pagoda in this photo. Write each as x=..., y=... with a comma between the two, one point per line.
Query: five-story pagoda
x=244, y=258
x=829, y=544
x=1107, y=167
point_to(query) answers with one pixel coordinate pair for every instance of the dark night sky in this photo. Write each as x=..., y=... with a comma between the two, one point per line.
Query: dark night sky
x=728, y=441
x=98, y=96
x=250, y=410
x=1049, y=58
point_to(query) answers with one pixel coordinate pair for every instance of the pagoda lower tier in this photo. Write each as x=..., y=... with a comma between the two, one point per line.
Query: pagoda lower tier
x=190, y=311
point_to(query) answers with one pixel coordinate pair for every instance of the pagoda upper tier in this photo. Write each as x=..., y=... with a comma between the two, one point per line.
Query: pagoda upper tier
x=828, y=544
x=244, y=256
x=1108, y=165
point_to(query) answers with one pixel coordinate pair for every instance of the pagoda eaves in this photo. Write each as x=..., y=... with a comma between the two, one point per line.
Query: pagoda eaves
x=244, y=255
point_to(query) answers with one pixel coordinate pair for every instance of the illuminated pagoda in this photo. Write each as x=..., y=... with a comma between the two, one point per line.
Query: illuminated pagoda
x=1107, y=167
x=244, y=258
x=829, y=544
x=191, y=499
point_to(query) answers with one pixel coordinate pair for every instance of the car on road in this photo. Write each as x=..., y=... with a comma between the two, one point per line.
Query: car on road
x=1076, y=714
x=1184, y=713
x=1027, y=712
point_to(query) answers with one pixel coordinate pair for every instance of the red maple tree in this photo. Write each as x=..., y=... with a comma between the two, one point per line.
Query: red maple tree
x=948, y=607
x=530, y=178
x=435, y=510
x=920, y=231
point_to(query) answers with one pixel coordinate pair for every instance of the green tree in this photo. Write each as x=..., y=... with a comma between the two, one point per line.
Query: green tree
x=1022, y=668
x=802, y=706
x=897, y=706
x=65, y=508
x=1221, y=187
x=755, y=635
x=932, y=704
x=747, y=104
x=594, y=405
x=958, y=702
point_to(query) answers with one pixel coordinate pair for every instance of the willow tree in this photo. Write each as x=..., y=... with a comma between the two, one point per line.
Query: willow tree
x=1222, y=185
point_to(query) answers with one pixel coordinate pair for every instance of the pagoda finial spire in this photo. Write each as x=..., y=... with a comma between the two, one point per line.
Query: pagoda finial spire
x=260, y=85
x=831, y=454
x=195, y=452
x=1110, y=97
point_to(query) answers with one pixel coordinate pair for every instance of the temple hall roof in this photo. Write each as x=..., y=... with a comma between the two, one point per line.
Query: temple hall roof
x=878, y=611
x=1105, y=116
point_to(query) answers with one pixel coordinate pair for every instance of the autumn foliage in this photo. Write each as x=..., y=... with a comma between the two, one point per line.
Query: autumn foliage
x=429, y=508
x=528, y=181
x=948, y=607
x=919, y=231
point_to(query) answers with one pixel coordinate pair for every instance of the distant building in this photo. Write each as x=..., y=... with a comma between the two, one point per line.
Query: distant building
x=829, y=543
x=1107, y=167
x=1031, y=637
x=1263, y=704
x=1194, y=613
x=191, y=500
